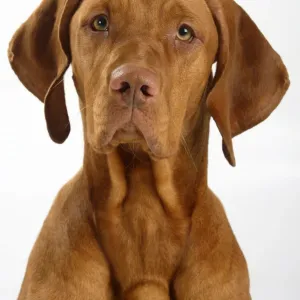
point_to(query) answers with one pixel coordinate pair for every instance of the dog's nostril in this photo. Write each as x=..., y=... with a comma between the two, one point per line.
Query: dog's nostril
x=124, y=87
x=145, y=90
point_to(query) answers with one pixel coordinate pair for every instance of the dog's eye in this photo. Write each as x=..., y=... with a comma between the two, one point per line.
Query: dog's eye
x=100, y=23
x=185, y=33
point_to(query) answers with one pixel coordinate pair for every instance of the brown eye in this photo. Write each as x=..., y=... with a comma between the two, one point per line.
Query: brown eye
x=100, y=23
x=185, y=33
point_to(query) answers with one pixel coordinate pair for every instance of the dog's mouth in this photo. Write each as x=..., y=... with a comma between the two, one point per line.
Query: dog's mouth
x=135, y=130
x=129, y=137
x=129, y=133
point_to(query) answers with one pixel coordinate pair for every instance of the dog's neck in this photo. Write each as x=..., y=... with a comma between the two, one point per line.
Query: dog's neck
x=111, y=177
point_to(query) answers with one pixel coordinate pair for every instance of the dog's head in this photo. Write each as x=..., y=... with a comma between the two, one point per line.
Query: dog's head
x=141, y=69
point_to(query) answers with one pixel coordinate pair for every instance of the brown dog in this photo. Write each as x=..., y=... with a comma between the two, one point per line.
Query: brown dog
x=138, y=221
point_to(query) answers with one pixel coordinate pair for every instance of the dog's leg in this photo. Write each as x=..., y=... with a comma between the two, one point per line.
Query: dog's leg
x=213, y=267
x=67, y=262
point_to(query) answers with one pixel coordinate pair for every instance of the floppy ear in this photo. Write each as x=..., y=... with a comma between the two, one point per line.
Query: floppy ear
x=39, y=55
x=251, y=78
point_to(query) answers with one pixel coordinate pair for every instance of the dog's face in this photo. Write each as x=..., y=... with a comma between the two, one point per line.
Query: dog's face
x=140, y=68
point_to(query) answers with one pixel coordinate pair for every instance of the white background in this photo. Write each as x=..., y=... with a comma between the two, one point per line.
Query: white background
x=261, y=195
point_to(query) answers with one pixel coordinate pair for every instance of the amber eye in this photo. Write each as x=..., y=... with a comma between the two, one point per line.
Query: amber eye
x=100, y=23
x=185, y=33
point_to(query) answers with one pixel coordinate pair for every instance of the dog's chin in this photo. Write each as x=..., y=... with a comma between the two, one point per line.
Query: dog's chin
x=130, y=139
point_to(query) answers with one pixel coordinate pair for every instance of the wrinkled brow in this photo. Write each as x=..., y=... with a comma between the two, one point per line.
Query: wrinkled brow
x=174, y=8
x=177, y=8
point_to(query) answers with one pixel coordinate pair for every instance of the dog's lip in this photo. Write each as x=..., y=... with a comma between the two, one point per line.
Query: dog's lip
x=129, y=133
x=130, y=128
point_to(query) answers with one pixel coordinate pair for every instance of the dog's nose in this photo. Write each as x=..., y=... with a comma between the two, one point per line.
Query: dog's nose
x=135, y=85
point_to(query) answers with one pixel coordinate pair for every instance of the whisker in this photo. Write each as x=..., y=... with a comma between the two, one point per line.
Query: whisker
x=185, y=145
x=85, y=107
x=58, y=83
x=78, y=113
x=186, y=148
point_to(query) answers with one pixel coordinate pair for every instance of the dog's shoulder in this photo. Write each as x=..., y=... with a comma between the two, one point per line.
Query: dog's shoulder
x=66, y=248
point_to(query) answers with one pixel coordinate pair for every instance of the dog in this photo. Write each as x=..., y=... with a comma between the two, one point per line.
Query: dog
x=138, y=220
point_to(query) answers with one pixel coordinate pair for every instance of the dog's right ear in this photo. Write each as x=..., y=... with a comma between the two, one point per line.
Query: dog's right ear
x=39, y=54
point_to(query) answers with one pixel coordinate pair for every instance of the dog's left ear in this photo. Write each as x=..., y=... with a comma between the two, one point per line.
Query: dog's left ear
x=39, y=54
x=251, y=78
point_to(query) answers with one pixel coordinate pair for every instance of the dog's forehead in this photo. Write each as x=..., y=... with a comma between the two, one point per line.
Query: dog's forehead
x=150, y=8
